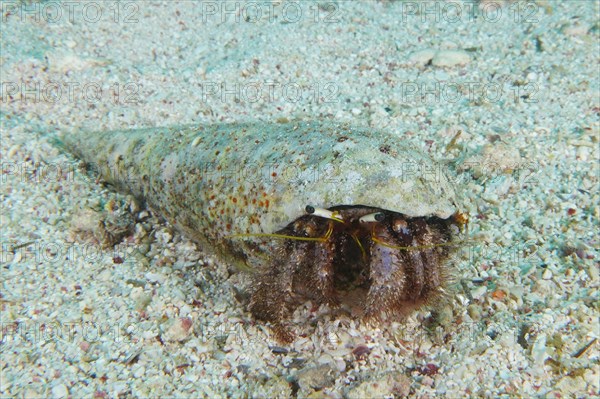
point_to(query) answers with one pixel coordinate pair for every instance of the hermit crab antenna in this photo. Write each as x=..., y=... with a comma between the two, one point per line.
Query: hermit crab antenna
x=324, y=213
x=372, y=217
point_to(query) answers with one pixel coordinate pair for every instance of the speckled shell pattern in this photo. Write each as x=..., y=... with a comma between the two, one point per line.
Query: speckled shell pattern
x=215, y=180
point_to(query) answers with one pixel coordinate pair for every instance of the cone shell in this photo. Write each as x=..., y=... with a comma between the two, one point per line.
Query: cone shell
x=215, y=180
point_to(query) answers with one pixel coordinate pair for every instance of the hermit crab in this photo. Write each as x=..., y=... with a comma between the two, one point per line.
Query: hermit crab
x=391, y=263
x=314, y=210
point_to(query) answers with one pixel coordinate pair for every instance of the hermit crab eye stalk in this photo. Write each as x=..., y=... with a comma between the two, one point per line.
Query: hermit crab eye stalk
x=324, y=213
x=373, y=217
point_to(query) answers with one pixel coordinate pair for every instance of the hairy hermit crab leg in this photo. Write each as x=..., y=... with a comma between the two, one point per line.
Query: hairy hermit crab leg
x=387, y=272
x=314, y=255
x=411, y=248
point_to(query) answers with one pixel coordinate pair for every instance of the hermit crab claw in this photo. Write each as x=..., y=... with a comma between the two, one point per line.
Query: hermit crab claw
x=386, y=261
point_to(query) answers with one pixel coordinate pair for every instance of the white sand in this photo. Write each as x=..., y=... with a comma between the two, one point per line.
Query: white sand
x=76, y=322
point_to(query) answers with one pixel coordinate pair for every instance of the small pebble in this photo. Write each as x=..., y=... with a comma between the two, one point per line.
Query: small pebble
x=479, y=292
x=429, y=369
x=394, y=383
x=499, y=295
x=538, y=351
x=547, y=274
x=450, y=58
x=179, y=330
x=444, y=316
x=60, y=391
x=155, y=277
x=278, y=350
x=12, y=151
x=278, y=387
x=422, y=57
x=67, y=62
x=316, y=378
x=84, y=346
x=474, y=312
x=575, y=29
x=139, y=372
x=361, y=352
x=427, y=381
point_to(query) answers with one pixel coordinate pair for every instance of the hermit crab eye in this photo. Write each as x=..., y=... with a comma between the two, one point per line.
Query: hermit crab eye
x=324, y=213
x=372, y=217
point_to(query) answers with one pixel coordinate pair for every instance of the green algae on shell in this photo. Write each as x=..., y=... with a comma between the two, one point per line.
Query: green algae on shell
x=214, y=182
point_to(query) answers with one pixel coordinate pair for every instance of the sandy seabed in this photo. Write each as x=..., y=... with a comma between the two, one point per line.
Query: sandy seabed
x=100, y=298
